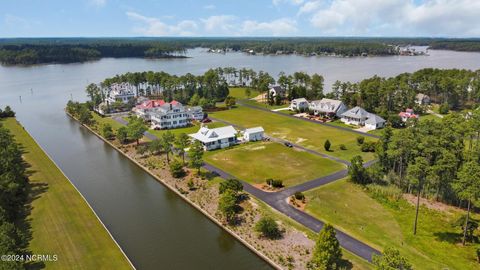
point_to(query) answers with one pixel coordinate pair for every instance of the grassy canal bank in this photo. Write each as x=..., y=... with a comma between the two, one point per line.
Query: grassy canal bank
x=62, y=222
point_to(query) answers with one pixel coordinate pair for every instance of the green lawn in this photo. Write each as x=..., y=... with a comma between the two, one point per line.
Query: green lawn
x=352, y=210
x=61, y=221
x=430, y=117
x=264, y=105
x=304, y=133
x=239, y=93
x=105, y=120
x=256, y=162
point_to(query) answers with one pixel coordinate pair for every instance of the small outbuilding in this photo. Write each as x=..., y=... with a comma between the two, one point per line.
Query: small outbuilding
x=253, y=134
x=375, y=122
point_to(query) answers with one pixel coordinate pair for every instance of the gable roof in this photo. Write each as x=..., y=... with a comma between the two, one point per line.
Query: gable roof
x=356, y=112
x=373, y=119
x=277, y=89
x=299, y=100
x=149, y=104
x=327, y=105
x=254, y=130
x=421, y=96
x=204, y=134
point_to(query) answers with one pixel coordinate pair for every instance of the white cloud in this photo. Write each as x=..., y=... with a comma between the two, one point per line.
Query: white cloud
x=279, y=27
x=219, y=24
x=97, y=3
x=209, y=7
x=395, y=17
x=154, y=27
x=310, y=6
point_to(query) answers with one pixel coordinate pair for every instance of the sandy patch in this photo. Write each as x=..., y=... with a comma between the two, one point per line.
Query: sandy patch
x=434, y=205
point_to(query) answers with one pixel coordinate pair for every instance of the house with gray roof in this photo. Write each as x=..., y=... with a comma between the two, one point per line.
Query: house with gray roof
x=375, y=122
x=360, y=117
x=422, y=99
x=298, y=104
x=277, y=90
x=215, y=138
x=328, y=107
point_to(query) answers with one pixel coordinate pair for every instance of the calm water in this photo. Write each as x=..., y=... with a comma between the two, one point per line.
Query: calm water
x=154, y=227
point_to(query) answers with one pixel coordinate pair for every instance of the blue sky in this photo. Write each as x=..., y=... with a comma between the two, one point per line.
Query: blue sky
x=119, y=18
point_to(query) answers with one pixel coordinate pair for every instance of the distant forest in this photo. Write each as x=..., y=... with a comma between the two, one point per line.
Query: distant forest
x=27, y=51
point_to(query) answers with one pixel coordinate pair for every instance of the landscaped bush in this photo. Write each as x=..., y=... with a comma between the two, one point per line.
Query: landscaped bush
x=327, y=145
x=107, y=132
x=299, y=196
x=360, y=140
x=343, y=147
x=274, y=183
x=368, y=147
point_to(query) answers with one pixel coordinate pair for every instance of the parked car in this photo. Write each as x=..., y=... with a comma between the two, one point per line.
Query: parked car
x=288, y=144
x=206, y=120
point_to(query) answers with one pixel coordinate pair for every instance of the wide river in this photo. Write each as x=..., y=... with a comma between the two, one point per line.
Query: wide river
x=156, y=229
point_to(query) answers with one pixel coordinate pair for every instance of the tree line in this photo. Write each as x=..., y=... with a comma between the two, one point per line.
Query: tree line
x=438, y=160
x=456, y=88
x=14, y=235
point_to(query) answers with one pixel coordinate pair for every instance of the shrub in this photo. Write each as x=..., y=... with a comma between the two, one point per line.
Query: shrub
x=327, y=252
x=232, y=184
x=268, y=227
x=360, y=140
x=299, y=195
x=274, y=183
x=391, y=259
x=444, y=108
x=343, y=147
x=191, y=184
x=368, y=147
x=327, y=145
x=122, y=135
x=176, y=169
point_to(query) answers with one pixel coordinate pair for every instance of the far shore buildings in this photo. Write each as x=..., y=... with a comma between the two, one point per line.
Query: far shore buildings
x=328, y=107
x=298, y=104
x=165, y=115
x=216, y=138
x=277, y=91
x=121, y=93
x=253, y=134
x=422, y=99
x=408, y=114
x=360, y=117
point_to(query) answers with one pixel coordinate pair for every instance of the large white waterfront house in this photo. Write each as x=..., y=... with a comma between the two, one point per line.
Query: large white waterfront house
x=216, y=138
x=120, y=92
x=169, y=115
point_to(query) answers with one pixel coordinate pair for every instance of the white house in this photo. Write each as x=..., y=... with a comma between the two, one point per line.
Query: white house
x=422, y=99
x=328, y=107
x=355, y=116
x=253, y=134
x=375, y=122
x=360, y=117
x=216, y=138
x=120, y=92
x=195, y=113
x=147, y=107
x=169, y=115
x=277, y=90
x=298, y=104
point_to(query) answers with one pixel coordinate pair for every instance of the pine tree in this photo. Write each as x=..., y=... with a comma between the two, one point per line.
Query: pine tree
x=327, y=252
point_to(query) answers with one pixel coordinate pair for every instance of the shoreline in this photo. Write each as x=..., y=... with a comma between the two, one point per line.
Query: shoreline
x=186, y=199
x=81, y=195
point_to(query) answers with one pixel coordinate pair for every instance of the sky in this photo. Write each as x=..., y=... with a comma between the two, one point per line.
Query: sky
x=132, y=18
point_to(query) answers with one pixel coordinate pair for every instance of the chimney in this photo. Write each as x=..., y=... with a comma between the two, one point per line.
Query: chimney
x=170, y=106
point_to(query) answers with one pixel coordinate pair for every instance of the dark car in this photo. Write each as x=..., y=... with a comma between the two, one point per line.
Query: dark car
x=287, y=144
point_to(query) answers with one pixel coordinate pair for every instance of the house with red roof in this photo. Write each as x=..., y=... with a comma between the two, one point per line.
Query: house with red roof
x=408, y=114
x=144, y=109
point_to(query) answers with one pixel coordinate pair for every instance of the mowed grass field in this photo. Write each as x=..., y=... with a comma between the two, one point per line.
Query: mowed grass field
x=239, y=92
x=309, y=135
x=256, y=162
x=348, y=207
x=61, y=221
